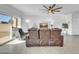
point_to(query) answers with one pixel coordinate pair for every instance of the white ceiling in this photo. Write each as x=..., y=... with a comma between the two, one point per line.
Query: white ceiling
x=35, y=9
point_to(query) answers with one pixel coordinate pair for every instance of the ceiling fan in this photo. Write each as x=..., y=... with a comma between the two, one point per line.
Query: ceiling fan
x=52, y=9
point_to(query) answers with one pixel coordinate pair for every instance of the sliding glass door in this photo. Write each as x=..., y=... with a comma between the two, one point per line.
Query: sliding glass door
x=5, y=27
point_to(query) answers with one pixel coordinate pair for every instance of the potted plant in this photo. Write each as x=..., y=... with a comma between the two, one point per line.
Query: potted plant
x=65, y=27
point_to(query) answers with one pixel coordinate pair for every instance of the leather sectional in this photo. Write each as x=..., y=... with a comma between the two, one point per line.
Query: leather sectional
x=44, y=37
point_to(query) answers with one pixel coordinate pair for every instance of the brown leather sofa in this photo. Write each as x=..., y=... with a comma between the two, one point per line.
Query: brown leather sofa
x=44, y=37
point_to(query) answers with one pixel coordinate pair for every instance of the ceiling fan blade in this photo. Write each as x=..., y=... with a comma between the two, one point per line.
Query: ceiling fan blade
x=52, y=12
x=53, y=5
x=45, y=6
x=59, y=8
x=52, y=9
x=57, y=11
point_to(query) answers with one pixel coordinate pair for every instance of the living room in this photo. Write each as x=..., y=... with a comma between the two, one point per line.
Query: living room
x=27, y=16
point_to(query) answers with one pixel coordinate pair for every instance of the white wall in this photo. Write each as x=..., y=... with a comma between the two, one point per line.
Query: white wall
x=75, y=23
x=57, y=19
x=69, y=21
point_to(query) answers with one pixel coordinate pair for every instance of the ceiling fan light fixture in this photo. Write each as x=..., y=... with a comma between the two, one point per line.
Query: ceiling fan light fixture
x=49, y=11
x=52, y=9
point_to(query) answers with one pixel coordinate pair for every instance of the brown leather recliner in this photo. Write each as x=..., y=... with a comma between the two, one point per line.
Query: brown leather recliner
x=44, y=37
x=56, y=37
x=33, y=39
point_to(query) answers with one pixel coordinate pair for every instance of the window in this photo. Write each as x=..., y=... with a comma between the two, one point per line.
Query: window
x=4, y=19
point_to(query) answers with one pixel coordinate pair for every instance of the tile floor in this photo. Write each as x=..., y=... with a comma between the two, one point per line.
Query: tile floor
x=71, y=46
